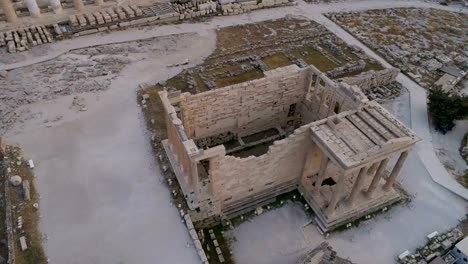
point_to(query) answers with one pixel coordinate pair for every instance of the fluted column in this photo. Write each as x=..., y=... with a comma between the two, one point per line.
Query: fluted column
x=357, y=185
x=56, y=6
x=33, y=8
x=79, y=5
x=323, y=168
x=336, y=195
x=9, y=11
x=373, y=168
x=378, y=175
x=396, y=170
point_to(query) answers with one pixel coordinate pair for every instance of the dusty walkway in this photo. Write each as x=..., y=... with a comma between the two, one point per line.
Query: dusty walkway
x=102, y=196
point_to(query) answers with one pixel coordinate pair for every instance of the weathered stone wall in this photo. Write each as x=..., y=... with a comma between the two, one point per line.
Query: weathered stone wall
x=371, y=79
x=245, y=108
x=234, y=178
x=326, y=97
x=180, y=145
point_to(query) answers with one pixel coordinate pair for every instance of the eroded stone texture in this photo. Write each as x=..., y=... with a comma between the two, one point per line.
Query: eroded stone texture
x=293, y=129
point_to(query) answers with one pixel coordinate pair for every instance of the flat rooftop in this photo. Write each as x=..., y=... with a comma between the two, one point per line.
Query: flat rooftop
x=354, y=137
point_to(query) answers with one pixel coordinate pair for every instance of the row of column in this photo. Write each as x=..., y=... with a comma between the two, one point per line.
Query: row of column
x=34, y=10
x=377, y=169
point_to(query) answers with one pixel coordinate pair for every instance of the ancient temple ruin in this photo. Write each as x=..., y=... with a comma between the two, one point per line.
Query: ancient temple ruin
x=240, y=146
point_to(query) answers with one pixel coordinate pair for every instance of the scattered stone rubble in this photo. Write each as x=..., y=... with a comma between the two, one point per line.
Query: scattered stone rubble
x=323, y=254
x=437, y=245
x=418, y=41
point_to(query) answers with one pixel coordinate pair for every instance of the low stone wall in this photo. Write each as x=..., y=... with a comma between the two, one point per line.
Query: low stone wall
x=371, y=79
x=196, y=240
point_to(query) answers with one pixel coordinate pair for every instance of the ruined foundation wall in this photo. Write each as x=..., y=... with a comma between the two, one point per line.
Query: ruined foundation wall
x=371, y=79
x=236, y=178
x=180, y=145
x=245, y=108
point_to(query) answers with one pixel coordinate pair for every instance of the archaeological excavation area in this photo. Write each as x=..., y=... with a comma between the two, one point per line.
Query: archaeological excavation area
x=236, y=148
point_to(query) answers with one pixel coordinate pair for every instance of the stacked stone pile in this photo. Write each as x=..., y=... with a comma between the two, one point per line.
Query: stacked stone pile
x=196, y=8
x=229, y=7
x=108, y=16
x=436, y=246
x=22, y=39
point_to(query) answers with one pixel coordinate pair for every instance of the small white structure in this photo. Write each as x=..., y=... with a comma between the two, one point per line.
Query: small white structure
x=23, y=244
x=31, y=164
x=404, y=255
x=460, y=251
x=432, y=235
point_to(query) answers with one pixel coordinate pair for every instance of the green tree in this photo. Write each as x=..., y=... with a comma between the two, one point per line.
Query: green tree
x=446, y=107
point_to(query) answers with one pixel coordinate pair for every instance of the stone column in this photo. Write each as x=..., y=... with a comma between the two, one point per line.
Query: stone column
x=56, y=6
x=98, y=2
x=373, y=168
x=336, y=195
x=9, y=10
x=79, y=5
x=33, y=8
x=396, y=170
x=378, y=175
x=323, y=169
x=357, y=185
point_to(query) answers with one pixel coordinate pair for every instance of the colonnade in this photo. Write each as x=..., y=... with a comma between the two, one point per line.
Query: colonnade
x=34, y=11
x=376, y=170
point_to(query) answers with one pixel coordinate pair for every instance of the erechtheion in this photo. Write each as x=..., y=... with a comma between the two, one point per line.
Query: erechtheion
x=238, y=147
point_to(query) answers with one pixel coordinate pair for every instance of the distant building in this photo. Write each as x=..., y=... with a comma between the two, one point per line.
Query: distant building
x=460, y=251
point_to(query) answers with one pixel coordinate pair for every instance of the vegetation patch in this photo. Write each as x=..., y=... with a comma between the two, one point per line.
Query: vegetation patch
x=244, y=52
x=25, y=214
x=446, y=107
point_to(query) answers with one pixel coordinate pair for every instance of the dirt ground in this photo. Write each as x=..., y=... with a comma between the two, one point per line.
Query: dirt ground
x=102, y=196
